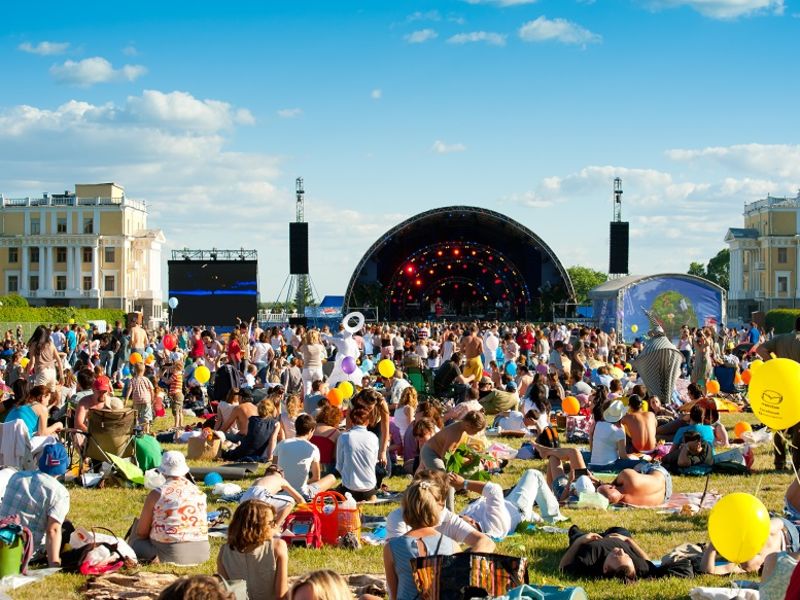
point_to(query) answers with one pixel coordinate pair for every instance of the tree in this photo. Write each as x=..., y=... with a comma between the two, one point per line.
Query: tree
x=584, y=279
x=716, y=271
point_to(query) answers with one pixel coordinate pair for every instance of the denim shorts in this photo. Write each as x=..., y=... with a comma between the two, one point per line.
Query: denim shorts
x=647, y=468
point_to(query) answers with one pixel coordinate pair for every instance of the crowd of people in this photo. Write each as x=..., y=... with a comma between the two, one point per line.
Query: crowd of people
x=265, y=395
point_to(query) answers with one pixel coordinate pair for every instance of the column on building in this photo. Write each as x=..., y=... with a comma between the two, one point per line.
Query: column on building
x=24, y=276
x=76, y=268
x=735, y=276
x=42, y=269
x=96, y=268
x=797, y=267
x=70, y=267
x=48, y=269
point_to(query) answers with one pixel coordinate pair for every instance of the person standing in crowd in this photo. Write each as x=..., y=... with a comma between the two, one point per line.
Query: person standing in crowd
x=45, y=362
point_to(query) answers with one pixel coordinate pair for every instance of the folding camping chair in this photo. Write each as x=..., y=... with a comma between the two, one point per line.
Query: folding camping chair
x=110, y=432
x=417, y=379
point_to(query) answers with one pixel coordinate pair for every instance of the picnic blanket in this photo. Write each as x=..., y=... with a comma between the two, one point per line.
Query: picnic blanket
x=692, y=500
x=141, y=586
x=13, y=582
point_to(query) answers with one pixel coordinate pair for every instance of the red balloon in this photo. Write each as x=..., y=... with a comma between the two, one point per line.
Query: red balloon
x=170, y=342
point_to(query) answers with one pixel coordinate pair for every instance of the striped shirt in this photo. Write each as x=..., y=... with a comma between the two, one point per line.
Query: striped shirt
x=141, y=390
x=176, y=383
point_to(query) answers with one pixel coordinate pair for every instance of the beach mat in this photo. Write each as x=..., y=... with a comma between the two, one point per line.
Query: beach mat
x=691, y=499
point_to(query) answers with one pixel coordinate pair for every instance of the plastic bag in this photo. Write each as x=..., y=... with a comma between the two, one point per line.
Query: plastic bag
x=81, y=536
x=153, y=479
x=226, y=489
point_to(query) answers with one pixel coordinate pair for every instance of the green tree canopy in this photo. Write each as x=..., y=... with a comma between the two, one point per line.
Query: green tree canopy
x=584, y=279
x=716, y=270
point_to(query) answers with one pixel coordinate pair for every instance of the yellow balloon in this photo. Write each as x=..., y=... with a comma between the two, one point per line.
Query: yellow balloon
x=346, y=388
x=24, y=361
x=202, y=374
x=386, y=368
x=634, y=328
x=740, y=542
x=756, y=365
x=645, y=406
x=774, y=393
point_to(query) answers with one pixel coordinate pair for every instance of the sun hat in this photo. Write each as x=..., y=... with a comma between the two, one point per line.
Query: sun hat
x=615, y=411
x=54, y=460
x=486, y=381
x=173, y=464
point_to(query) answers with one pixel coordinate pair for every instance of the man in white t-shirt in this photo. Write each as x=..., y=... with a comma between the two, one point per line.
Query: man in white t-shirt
x=298, y=458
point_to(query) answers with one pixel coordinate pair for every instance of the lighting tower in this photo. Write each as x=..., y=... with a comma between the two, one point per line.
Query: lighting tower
x=299, y=217
x=619, y=239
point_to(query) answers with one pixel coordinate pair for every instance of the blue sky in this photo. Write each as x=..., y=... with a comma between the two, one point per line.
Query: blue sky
x=210, y=110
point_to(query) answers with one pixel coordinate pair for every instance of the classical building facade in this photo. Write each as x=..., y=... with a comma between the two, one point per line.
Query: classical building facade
x=765, y=255
x=89, y=249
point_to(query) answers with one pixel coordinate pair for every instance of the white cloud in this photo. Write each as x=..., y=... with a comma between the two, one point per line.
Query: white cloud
x=181, y=110
x=94, y=70
x=290, y=113
x=376, y=94
x=420, y=36
x=130, y=50
x=439, y=147
x=561, y=30
x=723, y=9
x=44, y=48
x=770, y=160
x=494, y=39
x=503, y=2
x=431, y=15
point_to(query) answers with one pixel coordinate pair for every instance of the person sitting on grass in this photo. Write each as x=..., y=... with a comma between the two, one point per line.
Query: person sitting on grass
x=263, y=433
x=254, y=552
x=293, y=407
x=299, y=460
x=356, y=457
x=273, y=489
x=33, y=412
x=608, y=452
x=450, y=524
x=235, y=425
x=172, y=527
x=422, y=505
x=640, y=427
x=448, y=439
x=326, y=434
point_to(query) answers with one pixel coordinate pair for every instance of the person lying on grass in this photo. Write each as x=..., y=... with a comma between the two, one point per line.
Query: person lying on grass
x=648, y=484
x=274, y=490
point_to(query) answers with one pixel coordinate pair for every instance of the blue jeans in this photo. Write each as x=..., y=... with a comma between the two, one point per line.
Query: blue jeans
x=614, y=467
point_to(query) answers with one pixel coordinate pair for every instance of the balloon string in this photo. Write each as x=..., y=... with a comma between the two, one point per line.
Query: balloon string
x=789, y=454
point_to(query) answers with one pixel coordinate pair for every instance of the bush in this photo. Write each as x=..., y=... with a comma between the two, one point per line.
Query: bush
x=782, y=319
x=59, y=315
x=13, y=300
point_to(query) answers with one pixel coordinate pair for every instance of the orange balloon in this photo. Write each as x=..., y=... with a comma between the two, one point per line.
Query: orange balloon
x=335, y=396
x=571, y=406
x=740, y=429
x=737, y=379
x=712, y=387
x=135, y=358
x=746, y=377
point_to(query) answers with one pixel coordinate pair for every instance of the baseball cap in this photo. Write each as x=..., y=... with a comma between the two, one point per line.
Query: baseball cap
x=54, y=460
x=102, y=384
x=173, y=464
x=486, y=381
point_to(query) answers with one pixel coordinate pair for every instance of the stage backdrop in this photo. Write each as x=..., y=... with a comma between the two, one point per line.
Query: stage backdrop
x=674, y=299
x=213, y=292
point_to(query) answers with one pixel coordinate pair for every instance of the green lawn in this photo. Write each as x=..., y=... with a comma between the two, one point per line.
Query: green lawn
x=656, y=533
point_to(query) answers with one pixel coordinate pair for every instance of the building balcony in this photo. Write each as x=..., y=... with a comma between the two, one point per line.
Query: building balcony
x=759, y=294
x=90, y=293
x=70, y=200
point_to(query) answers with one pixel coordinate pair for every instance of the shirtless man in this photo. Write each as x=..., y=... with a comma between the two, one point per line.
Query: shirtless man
x=273, y=489
x=138, y=338
x=472, y=347
x=647, y=485
x=241, y=414
x=783, y=537
x=640, y=427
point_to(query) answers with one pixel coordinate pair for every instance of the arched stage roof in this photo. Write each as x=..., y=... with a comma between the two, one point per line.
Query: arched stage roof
x=469, y=256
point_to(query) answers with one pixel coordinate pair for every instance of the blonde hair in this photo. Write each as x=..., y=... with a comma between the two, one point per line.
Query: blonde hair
x=266, y=408
x=422, y=504
x=409, y=398
x=312, y=337
x=294, y=405
x=324, y=584
x=138, y=368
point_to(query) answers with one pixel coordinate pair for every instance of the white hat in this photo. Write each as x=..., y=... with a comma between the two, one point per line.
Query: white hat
x=173, y=464
x=615, y=411
x=583, y=485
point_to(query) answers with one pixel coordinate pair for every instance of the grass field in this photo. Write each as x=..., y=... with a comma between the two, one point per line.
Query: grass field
x=656, y=533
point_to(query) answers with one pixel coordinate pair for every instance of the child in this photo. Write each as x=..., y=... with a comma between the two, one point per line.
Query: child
x=250, y=376
x=141, y=391
x=422, y=506
x=176, y=393
x=254, y=554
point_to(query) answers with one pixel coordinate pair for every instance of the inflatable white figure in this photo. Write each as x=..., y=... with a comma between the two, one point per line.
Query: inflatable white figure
x=346, y=346
x=490, y=344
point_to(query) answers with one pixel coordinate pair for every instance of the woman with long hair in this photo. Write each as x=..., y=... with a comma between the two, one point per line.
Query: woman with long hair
x=45, y=362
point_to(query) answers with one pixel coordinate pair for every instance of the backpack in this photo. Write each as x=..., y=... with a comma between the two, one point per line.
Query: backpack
x=302, y=528
x=548, y=437
x=10, y=529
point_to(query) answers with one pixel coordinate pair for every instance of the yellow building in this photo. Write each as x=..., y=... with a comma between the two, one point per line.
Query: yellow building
x=765, y=255
x=89, y=249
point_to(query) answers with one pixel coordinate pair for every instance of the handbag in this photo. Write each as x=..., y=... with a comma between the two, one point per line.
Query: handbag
x=338, y=519
x=80, y=560
x=464, y=575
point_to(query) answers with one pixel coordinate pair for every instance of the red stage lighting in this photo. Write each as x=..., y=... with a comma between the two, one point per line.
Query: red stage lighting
x=439, y=252
x=410, y=269
x=456, y=251
x=498, y=281
x=418, y=282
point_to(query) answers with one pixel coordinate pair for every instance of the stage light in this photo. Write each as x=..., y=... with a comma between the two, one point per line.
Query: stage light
x=491, y=258
x=456, y=251
x=484, y=271
x=418, y=282
x=455, y=285
x=474, y=252
x=449, y=267
x=439, y=252
x=498, y=281
x=410, y=269
x=430, y=271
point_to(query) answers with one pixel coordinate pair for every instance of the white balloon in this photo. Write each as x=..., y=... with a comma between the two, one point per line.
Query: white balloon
x=173, y=303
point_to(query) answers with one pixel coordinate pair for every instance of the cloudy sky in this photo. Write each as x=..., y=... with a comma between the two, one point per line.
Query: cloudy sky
x=210, y=110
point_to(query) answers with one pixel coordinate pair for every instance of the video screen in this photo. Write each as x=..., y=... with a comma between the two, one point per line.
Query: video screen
x=213, y=292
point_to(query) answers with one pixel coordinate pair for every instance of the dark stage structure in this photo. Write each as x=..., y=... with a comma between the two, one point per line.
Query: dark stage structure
x=459, y=262
x=213, y=287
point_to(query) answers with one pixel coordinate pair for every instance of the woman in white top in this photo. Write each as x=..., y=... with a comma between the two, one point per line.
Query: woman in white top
x=314, y=354
x=448, y=347
x=276, y=341
x=260, y=356
x=608, y=436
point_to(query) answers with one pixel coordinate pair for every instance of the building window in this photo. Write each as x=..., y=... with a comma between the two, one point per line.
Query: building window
x=782, y=255
x=87, y=254
x=13, y=284
x=783, y=285
x=109, y=283
x=87, y=283
x=13, y=255
x=88, y=225
x=61, y=225
x=109, y=254
x=61, y=282
x=61, y=254
x=36, y=227
x=34, y=257
x=34, y=283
